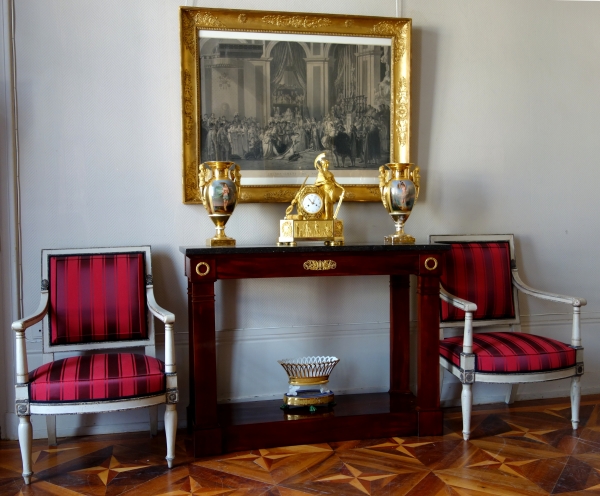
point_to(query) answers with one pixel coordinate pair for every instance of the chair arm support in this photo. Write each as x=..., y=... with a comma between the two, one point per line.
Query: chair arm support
x=22, y=324
x=571, y=300
x=577, y=303
x=19, y=326
x=159, y=312
x=457, y=302
x=468, y=307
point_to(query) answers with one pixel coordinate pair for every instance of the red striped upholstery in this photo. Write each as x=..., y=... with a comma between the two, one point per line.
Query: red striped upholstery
x=479, y=272
x=97, y=377
x=97, y=298
x=511, y=352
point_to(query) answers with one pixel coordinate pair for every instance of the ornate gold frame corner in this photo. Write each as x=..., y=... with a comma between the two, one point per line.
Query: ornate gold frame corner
x=194, y=19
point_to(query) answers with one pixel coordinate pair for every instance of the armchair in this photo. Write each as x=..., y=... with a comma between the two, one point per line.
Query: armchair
x=94, y=302
x=479, y=288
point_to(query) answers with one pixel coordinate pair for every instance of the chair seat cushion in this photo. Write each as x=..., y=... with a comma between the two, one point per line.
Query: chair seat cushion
x=97, y=377
x=505, y=352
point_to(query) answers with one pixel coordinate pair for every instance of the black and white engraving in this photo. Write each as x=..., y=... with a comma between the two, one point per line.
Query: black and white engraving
x=275, y=105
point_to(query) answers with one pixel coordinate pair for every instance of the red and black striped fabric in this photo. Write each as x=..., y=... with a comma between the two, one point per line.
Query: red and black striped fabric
x=97, y=298
x=97, y=377
x=480, y=273
x=503, y=352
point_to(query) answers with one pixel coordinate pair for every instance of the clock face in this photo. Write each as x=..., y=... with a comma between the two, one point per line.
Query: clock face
x=312, y=203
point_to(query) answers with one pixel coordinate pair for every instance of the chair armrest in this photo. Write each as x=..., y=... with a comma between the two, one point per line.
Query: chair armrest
x=577, y=303
x=19, y=327
x=156, y=310
x=466, y=306
x=571, y=300
x=22, y=324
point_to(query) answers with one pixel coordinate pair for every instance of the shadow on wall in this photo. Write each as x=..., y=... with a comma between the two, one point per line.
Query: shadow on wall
x=423, y=72
x=168, y=292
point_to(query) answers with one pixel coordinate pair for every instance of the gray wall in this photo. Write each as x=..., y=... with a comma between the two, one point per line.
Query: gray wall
x=505, y=106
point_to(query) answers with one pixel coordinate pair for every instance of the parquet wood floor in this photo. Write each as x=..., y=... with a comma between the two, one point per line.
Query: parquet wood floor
x=527, y=449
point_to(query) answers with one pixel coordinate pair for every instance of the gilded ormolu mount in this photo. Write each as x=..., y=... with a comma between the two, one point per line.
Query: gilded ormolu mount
x=219, y=184
x=315, y=218
x=399, y=186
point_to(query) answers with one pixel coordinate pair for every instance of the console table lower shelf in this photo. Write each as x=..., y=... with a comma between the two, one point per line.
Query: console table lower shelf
x=263, y=424
x=240, y=426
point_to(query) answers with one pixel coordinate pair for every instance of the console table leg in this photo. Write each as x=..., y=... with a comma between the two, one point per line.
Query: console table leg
x=399, y=334
x=428, y=390
x=203, y=369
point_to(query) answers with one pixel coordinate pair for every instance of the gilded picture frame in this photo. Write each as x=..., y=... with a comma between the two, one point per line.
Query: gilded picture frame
x=372, y=57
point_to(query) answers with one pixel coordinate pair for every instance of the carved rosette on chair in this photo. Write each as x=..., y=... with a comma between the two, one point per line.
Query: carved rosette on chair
x=219, y=190
x=399, y=186
x=308, y=379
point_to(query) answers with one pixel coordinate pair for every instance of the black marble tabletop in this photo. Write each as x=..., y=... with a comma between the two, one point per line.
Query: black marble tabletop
x=310, y=248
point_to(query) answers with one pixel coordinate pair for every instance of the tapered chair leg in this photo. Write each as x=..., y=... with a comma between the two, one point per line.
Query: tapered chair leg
x=170, y=432
x=51, y=428
x=25, y=439
x=511, y=394
x=153, y=413
x=575, y=400
x=466, y=399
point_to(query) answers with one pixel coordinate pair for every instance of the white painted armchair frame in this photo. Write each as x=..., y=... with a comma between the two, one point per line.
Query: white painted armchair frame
x=25, y=409
x=467, y=374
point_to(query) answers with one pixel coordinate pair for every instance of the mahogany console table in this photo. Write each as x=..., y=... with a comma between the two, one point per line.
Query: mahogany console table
x=242, y=426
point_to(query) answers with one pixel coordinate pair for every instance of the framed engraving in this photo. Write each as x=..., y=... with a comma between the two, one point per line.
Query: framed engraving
x=270, y=91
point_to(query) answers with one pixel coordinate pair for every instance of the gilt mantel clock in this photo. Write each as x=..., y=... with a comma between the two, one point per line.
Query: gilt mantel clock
x=315, y=219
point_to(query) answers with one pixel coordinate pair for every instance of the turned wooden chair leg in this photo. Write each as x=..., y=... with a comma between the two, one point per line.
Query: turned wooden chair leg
x=575, y=400
x=511, y=394
x=170, y=432
x=153, y=413
x=466, y=399
x=25, y=439
x=51, y=428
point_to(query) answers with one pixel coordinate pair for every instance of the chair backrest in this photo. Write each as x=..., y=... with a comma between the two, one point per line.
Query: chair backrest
x=97, y=298
x=478, y=269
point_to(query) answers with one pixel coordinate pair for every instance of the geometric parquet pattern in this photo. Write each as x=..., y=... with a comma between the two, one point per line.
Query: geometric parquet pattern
x=526, y=449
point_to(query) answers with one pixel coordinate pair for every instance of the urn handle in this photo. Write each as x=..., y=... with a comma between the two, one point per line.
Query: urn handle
x=236, y=177
x=384, y=177
x=203, y=177
x=416, y=179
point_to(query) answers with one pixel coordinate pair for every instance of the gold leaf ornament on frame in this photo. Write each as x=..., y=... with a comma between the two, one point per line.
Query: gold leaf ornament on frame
x=388, y=28
x=401, y=112
x=205, y=19
x=188, y=32
x=297, y=21
x=188, y=107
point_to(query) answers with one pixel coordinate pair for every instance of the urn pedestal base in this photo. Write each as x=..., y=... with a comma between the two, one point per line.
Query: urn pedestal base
x=226, y=241
x=399, y=239
x=220, y=239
